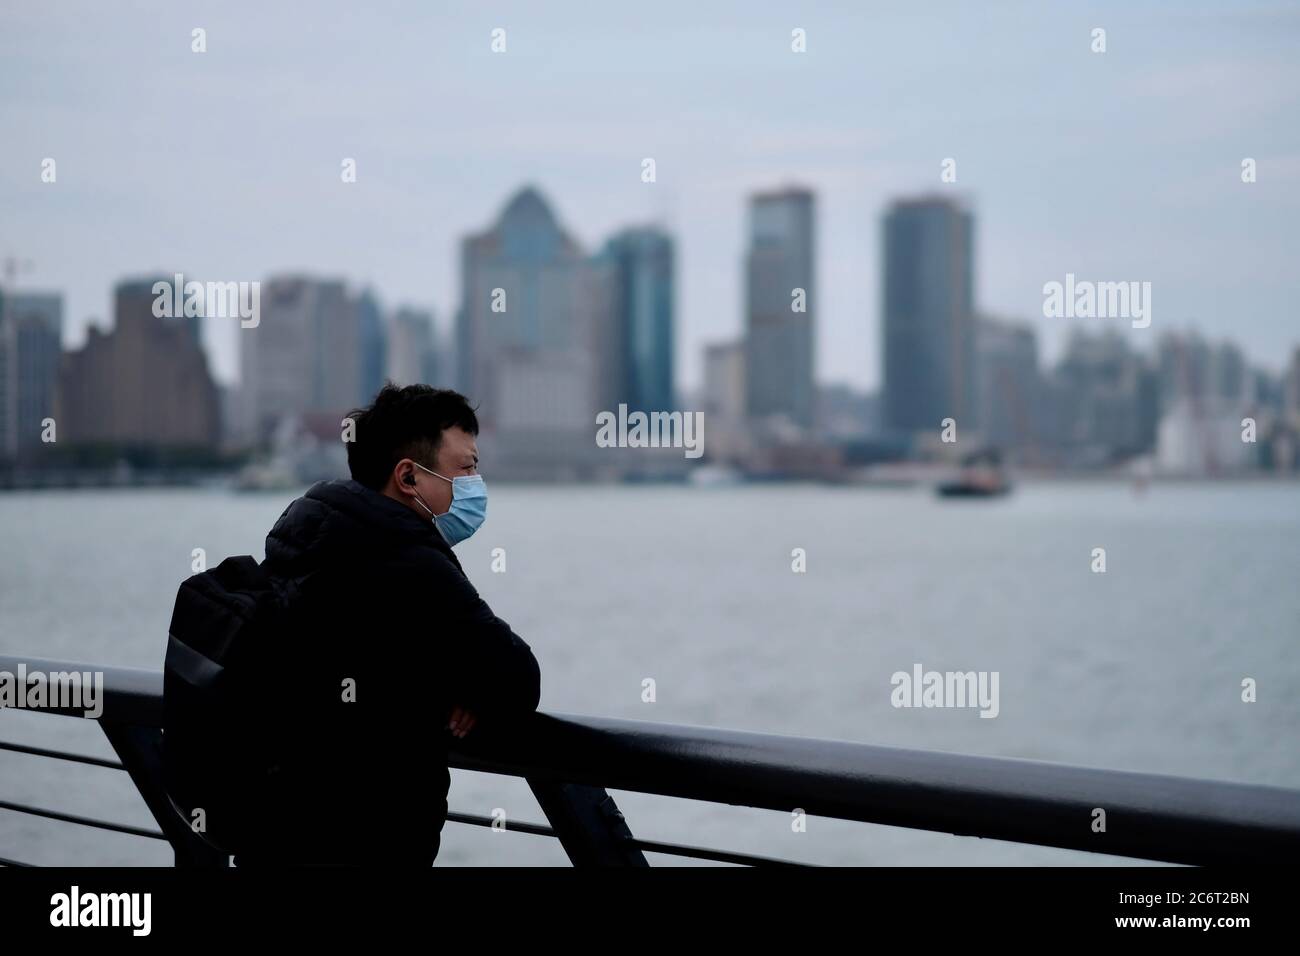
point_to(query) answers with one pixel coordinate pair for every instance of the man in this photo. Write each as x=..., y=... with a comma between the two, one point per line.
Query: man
x=393, y=654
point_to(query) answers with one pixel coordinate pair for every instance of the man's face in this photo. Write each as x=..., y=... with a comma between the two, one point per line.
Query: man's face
x=457, y=455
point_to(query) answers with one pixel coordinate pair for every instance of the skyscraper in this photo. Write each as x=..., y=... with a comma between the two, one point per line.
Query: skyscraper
x=1185, y=362
x=1229, y=381
x=780, y=307
x=317, y=350
x=643, y=263
x=31, y=329
x=928, y=311
x=1108, y=398
x=372, y=345
x=538, y=339
x=412, y=348
x=146, y=383
x=723, y=398
x=1009, y=384
x=1291, y=388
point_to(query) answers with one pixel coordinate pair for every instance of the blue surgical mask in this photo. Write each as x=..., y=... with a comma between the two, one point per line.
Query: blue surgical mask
x=468, y=506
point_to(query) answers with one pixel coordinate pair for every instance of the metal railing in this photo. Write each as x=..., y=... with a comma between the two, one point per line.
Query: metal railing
x=569, y=761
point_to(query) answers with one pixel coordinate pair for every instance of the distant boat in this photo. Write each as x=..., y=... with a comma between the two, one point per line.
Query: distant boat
x=275, y=476
x=981, y=476
x=714, y=475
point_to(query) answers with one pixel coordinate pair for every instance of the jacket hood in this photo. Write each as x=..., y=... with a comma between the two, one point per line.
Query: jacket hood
x=344, y=519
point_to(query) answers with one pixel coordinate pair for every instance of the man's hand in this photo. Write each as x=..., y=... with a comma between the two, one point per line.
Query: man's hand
x=461, y=721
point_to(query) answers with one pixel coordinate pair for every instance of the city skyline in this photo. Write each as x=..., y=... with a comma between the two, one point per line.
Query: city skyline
x=444, y=321
x=320, y=348
x=1138, y=150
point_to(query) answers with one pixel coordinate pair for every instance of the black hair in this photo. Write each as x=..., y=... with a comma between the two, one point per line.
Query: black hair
x=402, y=423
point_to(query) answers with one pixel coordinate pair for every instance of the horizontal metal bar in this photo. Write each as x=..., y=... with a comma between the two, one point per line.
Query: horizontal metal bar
x=82, y=821
x=61, y=755
x=478, y=820
x=1148, y=816
x=132, y=696
x=704, y=853
x=671, y=849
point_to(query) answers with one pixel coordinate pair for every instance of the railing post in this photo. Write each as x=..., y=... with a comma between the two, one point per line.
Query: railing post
x=588, y=823
x=140, y=750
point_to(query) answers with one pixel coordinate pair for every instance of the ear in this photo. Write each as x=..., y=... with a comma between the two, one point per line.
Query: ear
x=404, y=476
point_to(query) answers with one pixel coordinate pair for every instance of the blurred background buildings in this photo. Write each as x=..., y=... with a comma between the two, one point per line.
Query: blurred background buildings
x=548, y=334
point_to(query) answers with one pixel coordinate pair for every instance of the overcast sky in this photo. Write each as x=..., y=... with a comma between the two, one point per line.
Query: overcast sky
x=1123, y=165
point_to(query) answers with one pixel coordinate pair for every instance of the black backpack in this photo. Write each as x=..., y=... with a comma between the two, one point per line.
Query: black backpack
x=221, y=715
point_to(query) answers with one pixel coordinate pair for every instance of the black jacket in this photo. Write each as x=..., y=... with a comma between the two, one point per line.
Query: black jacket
x=384, y=608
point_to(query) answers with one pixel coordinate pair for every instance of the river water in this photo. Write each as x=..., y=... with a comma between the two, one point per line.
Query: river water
x=1137, y=668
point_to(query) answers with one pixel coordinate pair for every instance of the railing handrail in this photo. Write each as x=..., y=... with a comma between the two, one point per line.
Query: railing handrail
x=1148, y=816
x=131, y=695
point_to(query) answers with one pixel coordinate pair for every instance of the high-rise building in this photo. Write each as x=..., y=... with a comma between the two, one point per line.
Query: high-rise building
x=780, y=307
x=1185, y=366
x=643, y=266
x=316, y=351
x=1108, y=399
x=930, y=365
x=412, y=348
x=1009, y=384
x=538, y=339
x=1291, y=388
x=1230, y=385
x=31, y=330
x=145, y=383
x=372, y=345
x=723, y=398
